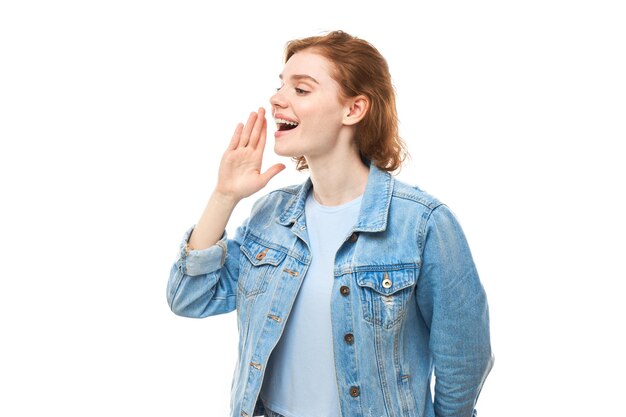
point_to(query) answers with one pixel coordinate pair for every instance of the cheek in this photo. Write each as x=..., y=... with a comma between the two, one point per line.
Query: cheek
x=325, y=119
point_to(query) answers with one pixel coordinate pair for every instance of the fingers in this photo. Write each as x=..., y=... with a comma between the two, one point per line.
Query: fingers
x=260, y=145
x=271, y=171
x=259, y=127
x=247, y=130
x=234, y=141
x=250, y=134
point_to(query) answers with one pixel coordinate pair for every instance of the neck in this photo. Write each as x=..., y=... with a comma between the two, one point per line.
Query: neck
x=338, y=180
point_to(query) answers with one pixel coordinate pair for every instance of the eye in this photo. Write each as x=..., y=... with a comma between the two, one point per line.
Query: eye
x=301, y=91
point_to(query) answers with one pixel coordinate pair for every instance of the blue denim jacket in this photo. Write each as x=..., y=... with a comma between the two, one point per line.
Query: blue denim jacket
x=406, y=300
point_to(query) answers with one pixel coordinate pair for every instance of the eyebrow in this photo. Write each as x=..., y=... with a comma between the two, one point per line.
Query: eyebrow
x=300, y=77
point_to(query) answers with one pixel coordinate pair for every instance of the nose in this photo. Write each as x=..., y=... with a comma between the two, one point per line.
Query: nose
x=278, y=100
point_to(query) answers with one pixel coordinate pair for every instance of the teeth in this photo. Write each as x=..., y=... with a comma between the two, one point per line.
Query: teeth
x=286, y=122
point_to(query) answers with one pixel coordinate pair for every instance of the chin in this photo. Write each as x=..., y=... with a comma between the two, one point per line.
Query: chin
x=281, y=152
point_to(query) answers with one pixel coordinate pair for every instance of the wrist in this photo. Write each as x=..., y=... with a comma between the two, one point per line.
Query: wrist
x=225, y=198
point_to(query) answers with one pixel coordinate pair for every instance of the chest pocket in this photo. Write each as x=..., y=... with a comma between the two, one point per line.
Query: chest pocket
x=258, y=265
x=385, y=294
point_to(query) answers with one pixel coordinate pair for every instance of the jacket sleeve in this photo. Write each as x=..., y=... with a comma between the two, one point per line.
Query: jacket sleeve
x=204, y=282
x=454, y=306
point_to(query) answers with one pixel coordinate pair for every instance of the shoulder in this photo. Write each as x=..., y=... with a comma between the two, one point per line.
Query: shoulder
x=276, y=198
x=270, y=206
x=432, y=212
x=414, y=195
x=287, y=191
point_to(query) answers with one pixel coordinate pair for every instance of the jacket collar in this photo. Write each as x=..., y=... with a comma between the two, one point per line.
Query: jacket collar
x=374, y=204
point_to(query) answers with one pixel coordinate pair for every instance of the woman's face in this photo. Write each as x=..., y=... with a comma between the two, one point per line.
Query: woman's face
x=308, y=98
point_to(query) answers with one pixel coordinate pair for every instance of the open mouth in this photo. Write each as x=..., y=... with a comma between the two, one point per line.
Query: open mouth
x=283, y=124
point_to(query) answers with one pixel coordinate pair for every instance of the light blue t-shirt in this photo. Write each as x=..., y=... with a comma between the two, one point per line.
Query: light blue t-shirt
x=300, y=378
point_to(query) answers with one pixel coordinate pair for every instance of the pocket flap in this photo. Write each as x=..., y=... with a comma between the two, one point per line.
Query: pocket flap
x=261, y=254
x=387, y=282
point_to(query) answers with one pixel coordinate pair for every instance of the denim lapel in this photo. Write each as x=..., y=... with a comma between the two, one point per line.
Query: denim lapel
x=374, y=204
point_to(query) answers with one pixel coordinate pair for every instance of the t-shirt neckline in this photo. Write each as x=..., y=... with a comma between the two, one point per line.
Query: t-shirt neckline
x=330, y=209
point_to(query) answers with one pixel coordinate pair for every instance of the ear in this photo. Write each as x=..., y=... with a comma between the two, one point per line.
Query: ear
x=357, y=108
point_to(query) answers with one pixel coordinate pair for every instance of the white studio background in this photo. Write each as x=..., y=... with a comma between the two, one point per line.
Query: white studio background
x=113, y=119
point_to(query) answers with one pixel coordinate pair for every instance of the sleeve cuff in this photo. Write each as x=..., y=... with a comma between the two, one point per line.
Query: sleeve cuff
x=203, y=261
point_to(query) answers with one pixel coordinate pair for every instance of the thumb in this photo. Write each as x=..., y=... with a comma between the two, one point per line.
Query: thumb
x=271, y=171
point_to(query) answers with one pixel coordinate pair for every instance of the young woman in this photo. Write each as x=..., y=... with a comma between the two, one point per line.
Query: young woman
x=352, y=288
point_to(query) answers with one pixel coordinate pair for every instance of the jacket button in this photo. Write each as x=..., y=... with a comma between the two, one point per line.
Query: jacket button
x=349, y=338
x=353, y=237
x=387, y=282
x=354, y=391
x=344, y=290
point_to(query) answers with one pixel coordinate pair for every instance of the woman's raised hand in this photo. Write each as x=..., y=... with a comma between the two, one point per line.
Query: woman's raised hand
x=239, y=173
